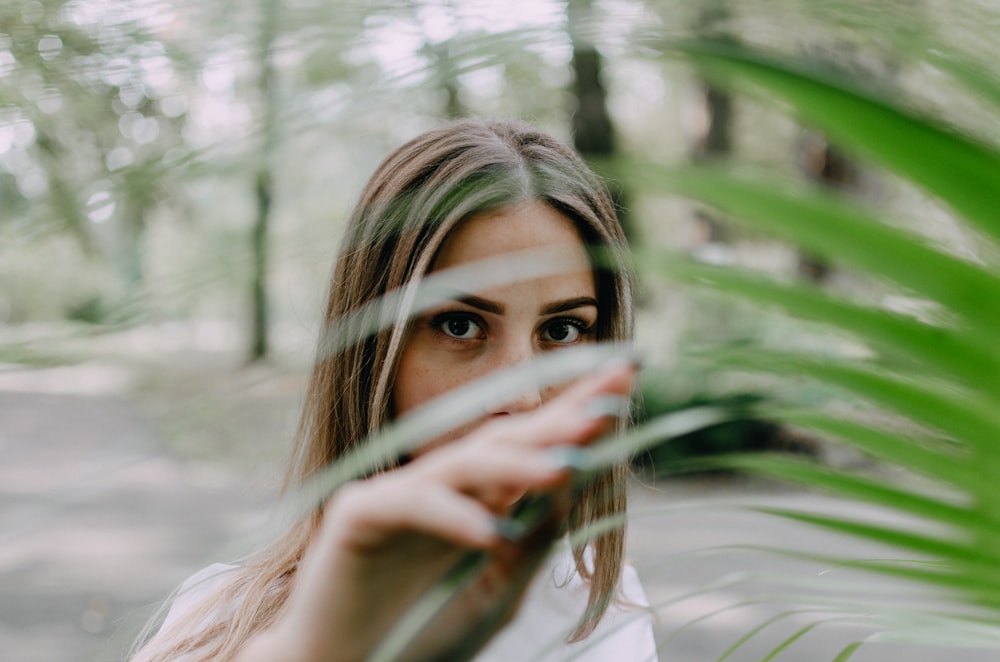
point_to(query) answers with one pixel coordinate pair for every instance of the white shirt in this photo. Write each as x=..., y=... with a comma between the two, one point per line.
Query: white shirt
x=552, y=608
x=549, y=613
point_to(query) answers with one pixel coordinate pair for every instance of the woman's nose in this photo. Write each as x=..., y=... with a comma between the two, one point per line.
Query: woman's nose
x=528, y=399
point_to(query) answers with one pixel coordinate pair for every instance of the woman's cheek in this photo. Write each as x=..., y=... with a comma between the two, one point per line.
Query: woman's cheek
x=426, y=371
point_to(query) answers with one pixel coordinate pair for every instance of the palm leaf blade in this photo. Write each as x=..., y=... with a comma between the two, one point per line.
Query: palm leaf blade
x=960, y=171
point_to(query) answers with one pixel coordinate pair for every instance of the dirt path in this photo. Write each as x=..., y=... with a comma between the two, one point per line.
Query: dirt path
x=97, y=523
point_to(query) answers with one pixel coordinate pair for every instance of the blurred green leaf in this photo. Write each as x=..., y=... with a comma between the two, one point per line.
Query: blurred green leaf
x=959, y=170
x=951, y=353
x=827, y=225
x=929, y=404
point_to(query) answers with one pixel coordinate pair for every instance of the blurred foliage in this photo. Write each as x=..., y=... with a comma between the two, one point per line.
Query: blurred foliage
x=134, y=128
x=921, y=378
x=745, y=432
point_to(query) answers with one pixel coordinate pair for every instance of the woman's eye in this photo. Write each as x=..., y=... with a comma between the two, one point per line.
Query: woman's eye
x=562, y=331
x=461, y=328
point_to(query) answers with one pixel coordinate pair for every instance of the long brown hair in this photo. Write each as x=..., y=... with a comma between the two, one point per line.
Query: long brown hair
x=418, y=194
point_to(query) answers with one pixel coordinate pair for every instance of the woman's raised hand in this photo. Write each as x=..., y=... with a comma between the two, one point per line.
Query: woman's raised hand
x=386, y=540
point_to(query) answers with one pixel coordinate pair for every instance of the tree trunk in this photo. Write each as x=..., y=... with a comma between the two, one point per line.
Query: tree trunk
x=713, y=139
x=593, y=132
x=444, y=72
x=259, y=340
x=827, y=166
x=259, y=344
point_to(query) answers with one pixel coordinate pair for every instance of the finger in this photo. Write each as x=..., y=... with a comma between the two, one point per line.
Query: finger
x=614, y=378
x=492, y=468
x=577, y=416
x=373, y=516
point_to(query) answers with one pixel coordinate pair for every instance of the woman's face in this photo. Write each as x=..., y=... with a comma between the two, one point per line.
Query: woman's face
x=479, y=332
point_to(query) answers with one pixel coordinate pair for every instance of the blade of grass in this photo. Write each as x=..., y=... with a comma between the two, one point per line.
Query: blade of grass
x=943, y=464
x=828, y=226
x=945, y=350
x=960, y=171
x=739, y=643
x=976, y=78
x=448, y=412
x=940, y=462
x=968, y=559
x=420, y=615
x=966, y=416
x=962, y=472
x=848, y=652
x=397, y=306
x=788, y=642
x=615, y=450
x=960, y=518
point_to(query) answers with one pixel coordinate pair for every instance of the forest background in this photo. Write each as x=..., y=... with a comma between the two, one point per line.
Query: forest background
x=174, y=177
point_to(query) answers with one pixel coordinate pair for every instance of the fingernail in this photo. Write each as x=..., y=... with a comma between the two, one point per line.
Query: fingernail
x=510, y=529
x=638, y=358
x=568, y=457
x=631, y=356
x=602, y=406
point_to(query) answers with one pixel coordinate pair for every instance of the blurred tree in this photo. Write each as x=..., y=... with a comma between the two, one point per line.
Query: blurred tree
x=447, y=77
x=264, y=184
x=712, y=139
x=88, y=99
x=593, y=130
x=823, y=164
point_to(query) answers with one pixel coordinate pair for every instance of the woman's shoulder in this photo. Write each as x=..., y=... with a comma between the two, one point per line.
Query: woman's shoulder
x=210, y=573
x=196, y=589
x=186, y=614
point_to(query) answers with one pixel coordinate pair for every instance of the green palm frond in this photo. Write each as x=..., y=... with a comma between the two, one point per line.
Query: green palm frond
x=928, y=381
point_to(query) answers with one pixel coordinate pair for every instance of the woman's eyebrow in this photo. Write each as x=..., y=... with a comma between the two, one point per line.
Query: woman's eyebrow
x=480, y=303
x=569, y=304
x=496, y=308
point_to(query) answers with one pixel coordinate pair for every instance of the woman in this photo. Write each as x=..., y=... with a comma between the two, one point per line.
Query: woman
x=332, y=586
